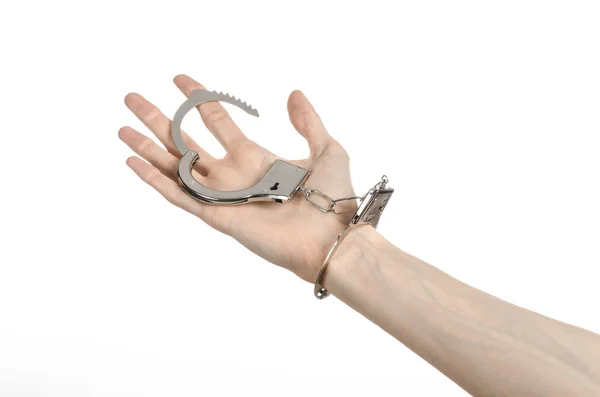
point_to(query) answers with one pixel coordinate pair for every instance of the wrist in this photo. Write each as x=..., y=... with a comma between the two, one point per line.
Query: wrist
x=361, y=243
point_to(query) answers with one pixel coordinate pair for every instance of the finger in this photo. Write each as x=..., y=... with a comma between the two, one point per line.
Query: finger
x=214, y=115
x=168, y=188
x=307, y=122
x=160, y=125
x=165, y=162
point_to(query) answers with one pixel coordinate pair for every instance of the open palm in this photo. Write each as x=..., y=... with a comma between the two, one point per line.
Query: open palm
x=294, y=235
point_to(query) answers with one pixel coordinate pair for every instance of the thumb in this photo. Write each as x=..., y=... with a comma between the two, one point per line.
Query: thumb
x=307, y=122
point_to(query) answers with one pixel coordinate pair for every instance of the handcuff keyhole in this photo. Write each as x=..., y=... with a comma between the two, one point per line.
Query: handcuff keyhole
x=275, y=186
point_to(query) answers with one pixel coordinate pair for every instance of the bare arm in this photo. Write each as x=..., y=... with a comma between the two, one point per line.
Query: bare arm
x=487, y=346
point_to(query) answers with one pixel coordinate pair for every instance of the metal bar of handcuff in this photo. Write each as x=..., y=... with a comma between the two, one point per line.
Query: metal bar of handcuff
x=320, y=291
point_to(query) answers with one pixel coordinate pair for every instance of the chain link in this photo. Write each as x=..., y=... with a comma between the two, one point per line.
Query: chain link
x=332, y=206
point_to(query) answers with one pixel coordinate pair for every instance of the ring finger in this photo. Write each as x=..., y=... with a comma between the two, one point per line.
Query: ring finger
x=145, y=147
x=160, y=125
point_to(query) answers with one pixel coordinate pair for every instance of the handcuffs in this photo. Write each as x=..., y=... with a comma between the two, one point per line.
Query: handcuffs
x=280, y=184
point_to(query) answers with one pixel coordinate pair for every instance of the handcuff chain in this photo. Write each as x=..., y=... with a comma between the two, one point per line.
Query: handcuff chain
x=332, y=203
x=368, y=213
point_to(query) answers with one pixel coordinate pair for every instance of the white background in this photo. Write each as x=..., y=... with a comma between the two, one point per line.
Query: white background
x=483, y=114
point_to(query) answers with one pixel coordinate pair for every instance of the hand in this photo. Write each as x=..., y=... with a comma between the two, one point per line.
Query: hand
x=294, y=235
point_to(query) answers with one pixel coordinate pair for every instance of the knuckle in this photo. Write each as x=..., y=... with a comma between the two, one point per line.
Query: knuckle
x=151, y=113
x=144, y=146
x=216, y=116
x=173, y=165
x=168, y=169
x=152, y=177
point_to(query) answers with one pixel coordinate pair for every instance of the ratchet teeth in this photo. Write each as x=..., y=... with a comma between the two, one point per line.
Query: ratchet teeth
x=224, y=97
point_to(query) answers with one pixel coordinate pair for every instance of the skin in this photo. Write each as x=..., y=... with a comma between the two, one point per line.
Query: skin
x=487, y=346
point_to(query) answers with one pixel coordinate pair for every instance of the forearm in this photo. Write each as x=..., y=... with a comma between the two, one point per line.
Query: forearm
x=487, y=346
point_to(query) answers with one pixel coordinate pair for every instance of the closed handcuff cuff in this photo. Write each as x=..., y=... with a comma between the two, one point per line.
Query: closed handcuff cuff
x=280, y=184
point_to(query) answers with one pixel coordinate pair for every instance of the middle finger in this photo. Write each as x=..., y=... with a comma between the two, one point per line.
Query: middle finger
x=214, y=115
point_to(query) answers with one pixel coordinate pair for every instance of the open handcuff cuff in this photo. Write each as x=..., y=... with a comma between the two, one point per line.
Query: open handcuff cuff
x=280, y=184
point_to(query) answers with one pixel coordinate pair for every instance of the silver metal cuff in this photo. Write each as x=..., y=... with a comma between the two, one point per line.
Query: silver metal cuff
x=320, y=291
